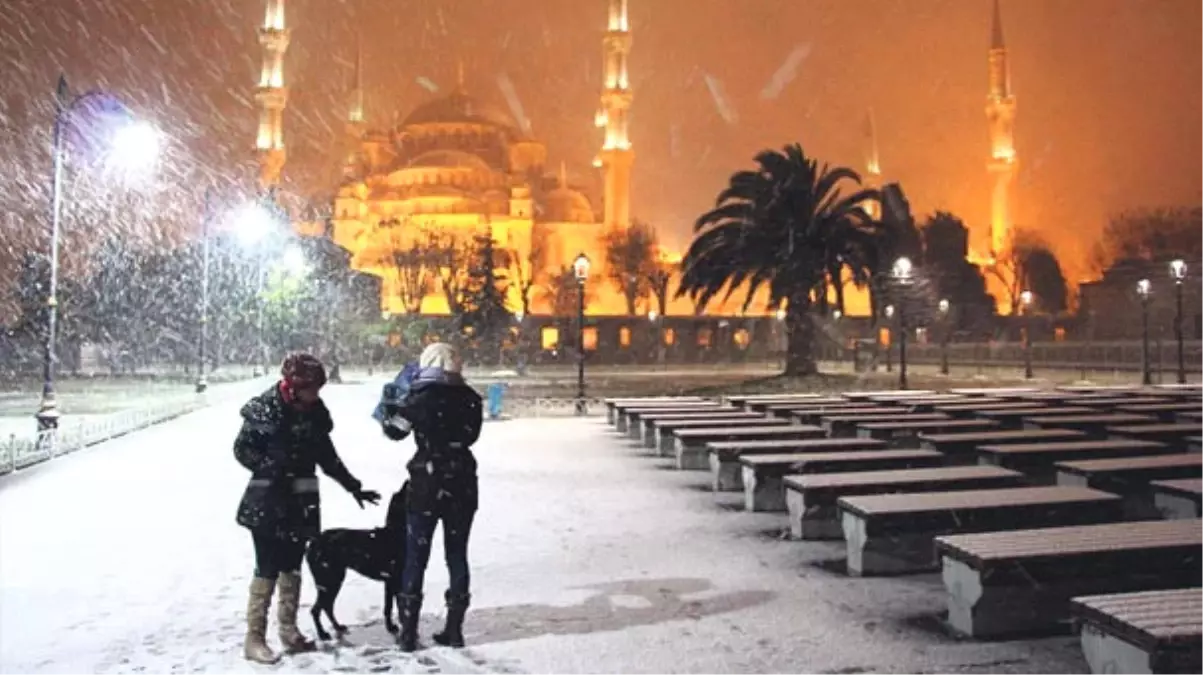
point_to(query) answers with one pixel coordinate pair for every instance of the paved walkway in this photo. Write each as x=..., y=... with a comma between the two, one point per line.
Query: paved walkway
x=586, y=558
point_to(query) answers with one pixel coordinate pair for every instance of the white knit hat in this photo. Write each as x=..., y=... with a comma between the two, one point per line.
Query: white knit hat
x=439, y=355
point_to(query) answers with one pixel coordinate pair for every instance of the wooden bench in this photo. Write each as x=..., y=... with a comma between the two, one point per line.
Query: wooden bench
x=690, y=444
x=1002, y=583
x=1130, y=477
x=1038, y=459
x=962, y=448
x=725, y=472
x=890, y=394
x=740, y=400
x=631, y=420
x=1174, y=433
x=993, y=391
x=614, y=405
x=811, y=499
x=1194, y=443
x=1092, y=425
x=844, y=423
x=1179, y=498
x=764, y=475
x=646, y=427
x=1149, y=632
x=811, y=415
x=1050, y=398
x=781, y=408
x=1115, y=402
x=665, y=431
x=968, y=410
x=1166, y=412
x=1099, y=388
x=1012, y=418
x=1196, y=417
x=924, y=403
x=623, y=414
x=906, y=434
x=892, y=534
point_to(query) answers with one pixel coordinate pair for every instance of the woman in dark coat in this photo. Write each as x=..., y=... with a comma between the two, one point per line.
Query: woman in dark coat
x=445, y=415
x=285, y=434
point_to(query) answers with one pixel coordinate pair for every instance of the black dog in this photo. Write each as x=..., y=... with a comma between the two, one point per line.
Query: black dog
x=377, y=554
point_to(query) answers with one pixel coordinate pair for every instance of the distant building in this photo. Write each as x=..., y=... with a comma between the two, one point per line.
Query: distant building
x=1109, y=309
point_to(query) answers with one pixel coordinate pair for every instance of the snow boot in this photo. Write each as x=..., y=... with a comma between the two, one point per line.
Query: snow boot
x=254, y=647
x=411, y=612
x=290, y=601
x=452, y=634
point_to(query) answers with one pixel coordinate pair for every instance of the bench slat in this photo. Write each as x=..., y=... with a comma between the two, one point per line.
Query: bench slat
x=1061, y=542
x=1148, y=619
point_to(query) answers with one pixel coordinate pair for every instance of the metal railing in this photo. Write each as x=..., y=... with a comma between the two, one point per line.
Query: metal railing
x=1124, y=356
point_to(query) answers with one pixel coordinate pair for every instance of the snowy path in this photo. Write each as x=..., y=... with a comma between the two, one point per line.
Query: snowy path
x=586, y=558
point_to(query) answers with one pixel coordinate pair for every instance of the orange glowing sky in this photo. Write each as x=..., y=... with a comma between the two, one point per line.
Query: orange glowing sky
x=1108, y=90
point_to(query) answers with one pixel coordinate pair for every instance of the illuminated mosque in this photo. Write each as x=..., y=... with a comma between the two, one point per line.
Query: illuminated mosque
x=458, y=166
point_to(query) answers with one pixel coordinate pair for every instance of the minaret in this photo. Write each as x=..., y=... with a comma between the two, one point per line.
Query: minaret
x=616, y=155
x=1000, y=114
x=355, y=125
x=872, y=176
x=272, y=96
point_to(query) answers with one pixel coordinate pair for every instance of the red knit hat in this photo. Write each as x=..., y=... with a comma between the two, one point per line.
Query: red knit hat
x=303, y=371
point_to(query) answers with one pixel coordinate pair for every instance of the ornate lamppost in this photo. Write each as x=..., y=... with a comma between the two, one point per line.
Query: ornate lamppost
x=945, y=307
x=580, y=270
x=1144, y=289
x=1178, y=272
x=902, y=278
x=1025, y=306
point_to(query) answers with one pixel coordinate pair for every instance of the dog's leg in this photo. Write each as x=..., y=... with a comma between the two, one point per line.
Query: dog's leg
x=335, y=585
x=316, y=612
x=389, y=591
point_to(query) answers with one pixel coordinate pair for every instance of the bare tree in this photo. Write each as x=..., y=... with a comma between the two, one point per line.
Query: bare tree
x=658, y=278
x=524, y=270
x=560, y=290
x=449, y=257
x=414, y=272
x=631, y=257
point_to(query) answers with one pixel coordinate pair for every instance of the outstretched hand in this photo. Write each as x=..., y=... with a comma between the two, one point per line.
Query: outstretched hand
x=370, y=496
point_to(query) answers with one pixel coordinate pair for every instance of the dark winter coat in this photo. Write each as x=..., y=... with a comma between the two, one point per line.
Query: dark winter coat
x=282, y=445
x=446, y=415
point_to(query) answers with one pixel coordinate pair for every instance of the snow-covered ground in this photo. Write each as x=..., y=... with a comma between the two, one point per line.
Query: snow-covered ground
x=586, y=558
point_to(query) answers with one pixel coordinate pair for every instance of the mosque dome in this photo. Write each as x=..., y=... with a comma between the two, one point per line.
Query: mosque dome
x=565, y=205
x=460, y=108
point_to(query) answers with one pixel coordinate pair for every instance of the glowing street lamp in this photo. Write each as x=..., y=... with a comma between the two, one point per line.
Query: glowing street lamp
x=1144, y=289
x=945, y=307
x=1178, y=273
x=132, y=145
x=1025, y=307
x=580, y=270
x=902, y=276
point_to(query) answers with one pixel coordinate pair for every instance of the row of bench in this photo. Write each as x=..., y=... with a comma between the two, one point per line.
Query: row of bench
x=982, y=484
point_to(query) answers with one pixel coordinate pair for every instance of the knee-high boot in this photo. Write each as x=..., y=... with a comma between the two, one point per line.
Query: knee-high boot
x=290, y=602
x=258, y=604
x=452, y=634
x=411, y=612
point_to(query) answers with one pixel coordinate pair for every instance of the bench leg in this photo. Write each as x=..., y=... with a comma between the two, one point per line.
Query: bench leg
x=980, y=611
x=724, y=476
x=635, y=430
x=1173, y=507
x=691, y=457
x=1109, y=654
x=610, y=415
x=667, y=443
x=812, y=522
x=620, y=424
x=870, y=555
x=650, y=437
x=762, y=493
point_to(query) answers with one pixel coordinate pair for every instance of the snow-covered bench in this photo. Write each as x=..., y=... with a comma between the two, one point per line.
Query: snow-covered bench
x=666, y=430
x=690, y=444
x=1038, y=459
x=1002, y=583
x=626, y=414
x=811, y=498
x=1130, y=477
x=647, y=421
x=763, y=475
x=725, y=473
x=1147, y=632
x=906, y=433
x=811, y=414
x=844, y=424
x=1094, y=425
x=615, y=405
x=892, y=534
x=962, y=447
x=1178, y=498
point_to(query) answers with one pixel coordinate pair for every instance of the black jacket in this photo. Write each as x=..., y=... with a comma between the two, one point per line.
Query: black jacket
x=281, y=446
x=446, y=415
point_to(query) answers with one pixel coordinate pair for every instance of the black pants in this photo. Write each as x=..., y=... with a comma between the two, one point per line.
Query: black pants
x=419, y=530
x=274, y=555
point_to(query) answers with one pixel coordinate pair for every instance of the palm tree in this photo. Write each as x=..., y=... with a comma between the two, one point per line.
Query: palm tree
x=785, y=224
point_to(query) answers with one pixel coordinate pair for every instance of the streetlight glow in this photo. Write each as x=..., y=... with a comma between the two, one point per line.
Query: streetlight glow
x=135, y=146
x=1026, y=298
x=580, y=267
x=652, y=315
x=294, y=260
x=1178, y=270
x=889, y=311
x=1144, y=287
x=251, y=222
x=903, y=268
x=944, y=305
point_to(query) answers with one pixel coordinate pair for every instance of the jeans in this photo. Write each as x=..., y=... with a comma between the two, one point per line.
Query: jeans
x=274, y=555
x=419, y=530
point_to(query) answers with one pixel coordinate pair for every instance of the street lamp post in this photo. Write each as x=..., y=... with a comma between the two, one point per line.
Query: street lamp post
x=1144, y=289
x=1178, y=272
x=580, y=269
x=944, y=309
x=1025, y=306
x=902, y=277
x=134, y=138
x=890, y=343
x=206, y=217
